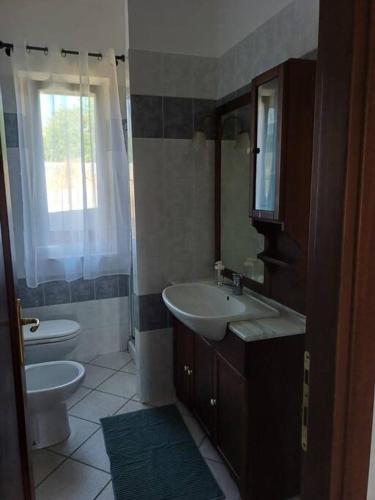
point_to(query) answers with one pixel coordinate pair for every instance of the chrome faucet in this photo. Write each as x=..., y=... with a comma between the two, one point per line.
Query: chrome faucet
x=237, y=284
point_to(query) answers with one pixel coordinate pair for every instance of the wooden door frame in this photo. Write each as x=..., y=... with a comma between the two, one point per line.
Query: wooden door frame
x=341, y=272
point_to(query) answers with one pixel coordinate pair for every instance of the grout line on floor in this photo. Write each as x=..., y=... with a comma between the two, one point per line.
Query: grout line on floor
x=50, y=473
x=113, y=394
x=94, y=432
x=101, y=491
x=89, y=465
x=85, y=419
x=83, y=397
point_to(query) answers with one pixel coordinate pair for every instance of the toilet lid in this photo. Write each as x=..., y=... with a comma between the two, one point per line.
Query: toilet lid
x=51, y=331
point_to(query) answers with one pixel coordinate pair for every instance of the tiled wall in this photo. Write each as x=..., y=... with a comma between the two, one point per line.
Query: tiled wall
x=174, y=199
x=63, y=292
x=292, y=32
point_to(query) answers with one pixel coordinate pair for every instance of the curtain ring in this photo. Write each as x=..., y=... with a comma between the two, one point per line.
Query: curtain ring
x=45, y=51
x=63, y=53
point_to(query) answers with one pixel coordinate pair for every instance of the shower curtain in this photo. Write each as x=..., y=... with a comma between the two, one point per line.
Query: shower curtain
x=74, y=168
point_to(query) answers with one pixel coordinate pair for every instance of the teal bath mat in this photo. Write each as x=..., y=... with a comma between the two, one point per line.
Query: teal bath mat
x=153, y=457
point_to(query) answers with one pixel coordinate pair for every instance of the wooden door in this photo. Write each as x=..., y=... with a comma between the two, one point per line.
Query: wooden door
x=341, y=273
x=183, y=362
x=231, y=415
x=203, y=397
x=15, y=480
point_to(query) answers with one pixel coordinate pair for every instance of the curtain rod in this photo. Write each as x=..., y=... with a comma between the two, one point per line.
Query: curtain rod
x=9, y=48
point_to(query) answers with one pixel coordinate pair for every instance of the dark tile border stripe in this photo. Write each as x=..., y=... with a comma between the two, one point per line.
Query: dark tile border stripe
x=150, y=312
x=167, y=117
x=63, y=292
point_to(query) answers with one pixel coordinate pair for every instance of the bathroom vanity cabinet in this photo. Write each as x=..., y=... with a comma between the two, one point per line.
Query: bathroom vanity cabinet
x=247, y=397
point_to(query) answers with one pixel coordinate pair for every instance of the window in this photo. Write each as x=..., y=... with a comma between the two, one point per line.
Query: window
x=74, y=174
x=69, y=150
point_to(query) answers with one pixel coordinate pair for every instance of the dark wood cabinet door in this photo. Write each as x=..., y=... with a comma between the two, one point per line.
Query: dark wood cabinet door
x=183, y=362
x=231, y=415
x=203, y=395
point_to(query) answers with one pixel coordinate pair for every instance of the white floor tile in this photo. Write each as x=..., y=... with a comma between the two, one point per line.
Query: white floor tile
x=114, y=360
x=130, y=367
x=97, y=405
x=107, y=493
x=44, y=462
x=77, y=396
x=224, y=480
x=132, y=406
x=208, y=451
x=93, y=452
x=95, y=375
x=195, y=429
x=73, y=481
x=80, y=431
x=121, y=383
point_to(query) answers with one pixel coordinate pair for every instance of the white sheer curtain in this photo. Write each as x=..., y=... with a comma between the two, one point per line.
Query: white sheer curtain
x=74, y=169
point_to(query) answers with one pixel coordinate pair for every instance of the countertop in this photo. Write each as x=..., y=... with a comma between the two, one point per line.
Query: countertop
x=288, y=323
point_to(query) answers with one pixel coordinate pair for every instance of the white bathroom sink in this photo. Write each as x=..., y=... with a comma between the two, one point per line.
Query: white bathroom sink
x=207, y=308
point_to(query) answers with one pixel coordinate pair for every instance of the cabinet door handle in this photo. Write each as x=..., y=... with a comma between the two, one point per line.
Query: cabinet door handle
x=213, y=402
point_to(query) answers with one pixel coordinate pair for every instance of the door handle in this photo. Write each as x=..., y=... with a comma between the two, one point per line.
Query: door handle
x=30, y=321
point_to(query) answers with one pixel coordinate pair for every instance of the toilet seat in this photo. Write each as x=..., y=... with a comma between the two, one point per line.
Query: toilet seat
x=56, y=330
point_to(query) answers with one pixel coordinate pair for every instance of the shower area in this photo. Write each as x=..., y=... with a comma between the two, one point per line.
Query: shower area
x=64, y=110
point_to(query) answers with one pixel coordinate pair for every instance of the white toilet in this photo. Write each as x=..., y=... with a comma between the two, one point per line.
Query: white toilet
x=53, y=340
x=48, y=386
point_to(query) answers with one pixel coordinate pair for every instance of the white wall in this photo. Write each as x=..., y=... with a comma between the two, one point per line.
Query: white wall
x=173, y=26
x=88, y=24
x=237, y=18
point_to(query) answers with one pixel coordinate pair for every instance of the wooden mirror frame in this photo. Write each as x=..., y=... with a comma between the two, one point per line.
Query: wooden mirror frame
x=232, y=105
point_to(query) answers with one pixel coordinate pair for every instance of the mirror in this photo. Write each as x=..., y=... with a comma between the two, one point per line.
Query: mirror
x=240, y=243
x=267, y=103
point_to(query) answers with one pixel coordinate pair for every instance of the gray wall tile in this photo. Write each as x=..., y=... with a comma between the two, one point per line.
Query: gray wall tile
x=146, y=75
x=147, y=117
x=204, y=75
x=177, y=75
x=123, y=284
x=30, y=297
x=82, y=290
x=178, y=117
x=56, y=292
x=11, y=130
x=106, y=287
x=150, y=312
x=204, y=116
x=62, y=292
